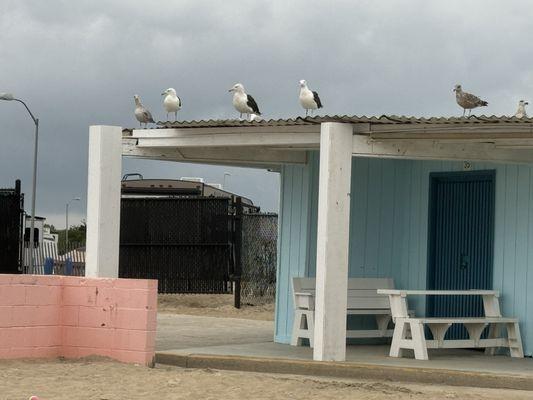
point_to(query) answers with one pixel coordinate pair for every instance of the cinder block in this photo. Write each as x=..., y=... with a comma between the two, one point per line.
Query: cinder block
x=18, y=337
x=6, y=279
x=45, y=336
x=147, y=284
x=127, y=318
x=95, y=317
x=42, y=295
x=69, y=351
x=79, y=296
x=94, y=351
x=12, y=295
x=47, y=352
x=130, y=298
x=24, y=316
x=69, y=315
x=134, y=340
x=134, y=357
x=73, y=281
x=88, y=337
x=6, y=316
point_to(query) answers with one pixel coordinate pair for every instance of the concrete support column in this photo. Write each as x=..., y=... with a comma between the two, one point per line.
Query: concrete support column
x=332, y=242
x=103, y=201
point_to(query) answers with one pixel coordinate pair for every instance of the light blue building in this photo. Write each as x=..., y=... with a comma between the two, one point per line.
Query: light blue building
x=425, y=213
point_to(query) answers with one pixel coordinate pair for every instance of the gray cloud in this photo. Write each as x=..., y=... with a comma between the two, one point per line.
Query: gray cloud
x=79, y=63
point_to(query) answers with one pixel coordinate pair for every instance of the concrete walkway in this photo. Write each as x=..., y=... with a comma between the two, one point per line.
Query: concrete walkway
x=176, y=332
x=237, y=344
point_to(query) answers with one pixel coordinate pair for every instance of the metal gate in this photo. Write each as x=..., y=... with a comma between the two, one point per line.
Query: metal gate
x=11, y=217
x=461, y=237
x=184, y=243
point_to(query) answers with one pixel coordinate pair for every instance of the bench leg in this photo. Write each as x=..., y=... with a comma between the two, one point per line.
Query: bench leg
x=515, y=340
x=419, y=340
x=302, y=327
x=494, y=332
x=439, y=331
x=382, y=321
x=475, y=331
x=397, y=337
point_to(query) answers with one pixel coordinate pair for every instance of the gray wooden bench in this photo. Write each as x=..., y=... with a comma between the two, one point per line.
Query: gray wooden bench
x=363, y=299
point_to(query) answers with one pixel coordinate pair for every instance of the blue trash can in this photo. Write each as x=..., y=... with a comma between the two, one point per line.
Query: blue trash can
x=48, y=266
x=68, y=266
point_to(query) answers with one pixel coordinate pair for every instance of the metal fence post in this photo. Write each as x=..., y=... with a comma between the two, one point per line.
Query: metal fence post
x=238, y=251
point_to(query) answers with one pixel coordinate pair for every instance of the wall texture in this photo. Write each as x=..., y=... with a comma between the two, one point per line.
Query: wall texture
x=388, y=230
x=52, y=316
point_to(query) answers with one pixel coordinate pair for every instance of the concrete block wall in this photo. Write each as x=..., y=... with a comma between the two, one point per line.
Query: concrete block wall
x=52, y=316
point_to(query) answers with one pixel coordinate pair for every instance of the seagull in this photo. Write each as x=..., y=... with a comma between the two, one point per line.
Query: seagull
x=141, y=113
x=171, y=102
x=521, y=112
x=243, y=103
x=467, y=100
x=308, y=99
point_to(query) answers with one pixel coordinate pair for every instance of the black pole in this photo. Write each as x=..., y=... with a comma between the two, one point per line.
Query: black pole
x=238, y=246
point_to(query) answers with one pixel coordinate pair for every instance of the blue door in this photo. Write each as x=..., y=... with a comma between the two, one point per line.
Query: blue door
x=461, y=242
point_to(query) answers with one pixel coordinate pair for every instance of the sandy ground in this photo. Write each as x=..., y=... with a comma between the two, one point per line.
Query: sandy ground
x=219, y=305
x=98, y=379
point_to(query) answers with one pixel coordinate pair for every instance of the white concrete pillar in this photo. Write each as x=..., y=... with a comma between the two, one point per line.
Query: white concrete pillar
x=332, y=242
x=103, y=201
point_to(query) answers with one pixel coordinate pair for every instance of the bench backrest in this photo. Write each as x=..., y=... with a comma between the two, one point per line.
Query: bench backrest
x=362, y=292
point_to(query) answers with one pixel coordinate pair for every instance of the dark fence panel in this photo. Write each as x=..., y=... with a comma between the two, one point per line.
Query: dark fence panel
x=184, y=243
x=258, y=255
x=11, y=214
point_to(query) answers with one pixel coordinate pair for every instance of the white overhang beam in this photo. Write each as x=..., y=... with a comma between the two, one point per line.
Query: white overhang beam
x=365, y=146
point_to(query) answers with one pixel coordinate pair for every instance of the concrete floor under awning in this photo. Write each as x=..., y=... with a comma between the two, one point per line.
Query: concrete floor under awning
x=238, y=344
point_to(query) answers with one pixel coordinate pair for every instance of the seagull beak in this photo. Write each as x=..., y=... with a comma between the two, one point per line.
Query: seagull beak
x=526, y=103
x=162, y=94
x=231, y=90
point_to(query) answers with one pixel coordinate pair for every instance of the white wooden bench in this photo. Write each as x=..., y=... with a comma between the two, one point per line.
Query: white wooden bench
x=409, y=331
x=363, y=299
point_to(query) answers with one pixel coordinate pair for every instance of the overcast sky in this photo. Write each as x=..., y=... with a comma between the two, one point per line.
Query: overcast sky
x=79, y=63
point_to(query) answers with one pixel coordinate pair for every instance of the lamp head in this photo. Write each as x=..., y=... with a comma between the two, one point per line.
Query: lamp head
x=7, y=96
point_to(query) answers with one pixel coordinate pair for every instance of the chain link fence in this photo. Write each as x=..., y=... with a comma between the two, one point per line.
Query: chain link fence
x=259, y=248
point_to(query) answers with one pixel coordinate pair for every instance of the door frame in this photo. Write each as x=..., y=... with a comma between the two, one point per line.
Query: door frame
x=456, y=176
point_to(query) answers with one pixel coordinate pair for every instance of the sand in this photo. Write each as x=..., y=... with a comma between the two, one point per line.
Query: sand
x=210, y=305
x=99, y=379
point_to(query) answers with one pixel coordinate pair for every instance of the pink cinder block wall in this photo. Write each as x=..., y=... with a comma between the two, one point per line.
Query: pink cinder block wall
x=52, y=316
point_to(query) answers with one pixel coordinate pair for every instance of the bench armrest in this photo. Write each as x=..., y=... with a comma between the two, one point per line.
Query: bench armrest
x=303, y=294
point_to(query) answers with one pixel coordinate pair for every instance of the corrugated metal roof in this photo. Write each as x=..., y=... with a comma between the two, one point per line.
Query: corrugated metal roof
x=383, y=119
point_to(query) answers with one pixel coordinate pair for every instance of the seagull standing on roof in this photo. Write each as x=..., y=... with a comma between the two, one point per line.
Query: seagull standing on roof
x=171, y=102
x=141, y=113
x=521, y=112
x=308, y=99
x=243, y=103
x=467, y=101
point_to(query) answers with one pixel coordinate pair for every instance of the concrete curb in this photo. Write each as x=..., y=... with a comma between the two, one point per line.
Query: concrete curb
x=346, y=370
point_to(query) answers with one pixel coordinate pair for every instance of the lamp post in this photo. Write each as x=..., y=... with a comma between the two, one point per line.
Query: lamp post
x=66, y=221
x=10, y=97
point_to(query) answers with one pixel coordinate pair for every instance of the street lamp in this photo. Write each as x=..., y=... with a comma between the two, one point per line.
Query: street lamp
x=66, y=222
x=10, y=97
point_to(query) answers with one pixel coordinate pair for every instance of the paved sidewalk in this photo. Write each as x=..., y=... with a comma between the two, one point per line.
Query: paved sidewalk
x=176, y=331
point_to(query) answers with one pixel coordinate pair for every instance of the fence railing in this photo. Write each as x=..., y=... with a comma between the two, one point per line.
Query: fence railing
x=48, y=260
x=258, y=258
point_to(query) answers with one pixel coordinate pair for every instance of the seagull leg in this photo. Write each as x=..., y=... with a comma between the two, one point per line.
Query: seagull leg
x=464, y=111
x=175, y=115
x=306, y=112
x=469, y=112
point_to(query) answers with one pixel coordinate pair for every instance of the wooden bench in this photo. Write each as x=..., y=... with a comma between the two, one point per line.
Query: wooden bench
x=409, y=331
x=363, y=299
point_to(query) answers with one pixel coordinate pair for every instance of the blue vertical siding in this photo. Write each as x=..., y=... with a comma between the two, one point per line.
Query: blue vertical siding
x=388, y=230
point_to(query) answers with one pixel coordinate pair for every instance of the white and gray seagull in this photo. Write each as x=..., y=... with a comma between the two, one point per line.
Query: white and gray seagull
x=243, y=103
x=467, y=101
x=141, y=113
x=171, y=102
x=521, y=112
x=308, y=99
